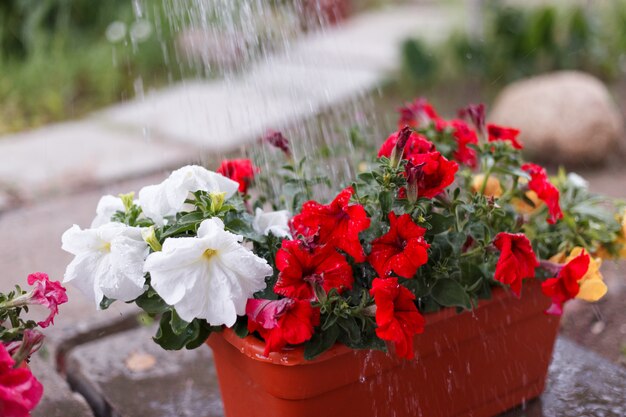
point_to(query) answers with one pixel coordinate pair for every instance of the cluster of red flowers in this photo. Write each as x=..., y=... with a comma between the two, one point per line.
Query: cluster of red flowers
x=327, y=243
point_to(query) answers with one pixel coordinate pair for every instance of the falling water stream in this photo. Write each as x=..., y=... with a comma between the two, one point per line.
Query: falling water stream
x=245, y=49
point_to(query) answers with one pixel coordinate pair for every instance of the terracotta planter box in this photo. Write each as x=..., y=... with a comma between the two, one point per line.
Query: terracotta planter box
x=471, y=364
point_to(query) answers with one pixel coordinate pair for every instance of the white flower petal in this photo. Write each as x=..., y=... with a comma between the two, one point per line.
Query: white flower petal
x=107, y=206
x=275, y=222
x=80, y=273
x=168, y=198
x=215, y=287
x=125, y=281
x=108, y=261
x=76, y=241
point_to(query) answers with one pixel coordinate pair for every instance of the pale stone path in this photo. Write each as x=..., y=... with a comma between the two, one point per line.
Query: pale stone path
x=181, y=123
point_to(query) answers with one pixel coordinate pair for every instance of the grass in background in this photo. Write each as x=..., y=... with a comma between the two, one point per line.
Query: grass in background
x=524, y=41
x=57, y=63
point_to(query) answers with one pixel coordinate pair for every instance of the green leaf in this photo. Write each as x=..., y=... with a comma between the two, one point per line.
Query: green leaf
x=173, y=334
x=320, y=343
x=386, y=200
x=106, y=303
x=179, y=326
x=440, y=223
x=450, y=293
x=351, y=329
x=193, y=217
x=241, y=327
x=168, y=339
x=151, y=302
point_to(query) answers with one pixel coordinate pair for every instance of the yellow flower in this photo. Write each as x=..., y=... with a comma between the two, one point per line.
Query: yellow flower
x=492, y=189
x=592, y=286
x=523, y=207
x=602, y=253
x=559, y=258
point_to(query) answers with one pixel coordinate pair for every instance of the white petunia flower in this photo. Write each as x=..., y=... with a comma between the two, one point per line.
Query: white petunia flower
x=168, y=198
x=276, y=222
x=107, y=206
x=577, y=181
x=108, y=261
x=210, y=276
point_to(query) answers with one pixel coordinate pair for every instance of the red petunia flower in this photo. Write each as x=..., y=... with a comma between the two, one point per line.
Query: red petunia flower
x=50, y=294
x=277, y=140
x=499, y=133
x=402, y=250
x=337, y=224
x=476, y=114
x=416, y=113
x=464, y=136
x=416, y=144
x=565, y=285
x=397, y=317
x=20, y=392
x=437, y=173
x=546, y=191
x=301, y=267
x=517, y=260
x=282, y=322
x=240, y=170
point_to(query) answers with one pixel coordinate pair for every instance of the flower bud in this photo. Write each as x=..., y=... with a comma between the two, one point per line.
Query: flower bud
x=217, y=201
x=32, y=340
x=398, y=150
x=414, y=173
x=127, y=200
x=149, y=236
x=278, y=140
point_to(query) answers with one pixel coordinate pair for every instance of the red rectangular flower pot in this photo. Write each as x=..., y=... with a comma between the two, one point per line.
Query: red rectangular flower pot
x=474, y=364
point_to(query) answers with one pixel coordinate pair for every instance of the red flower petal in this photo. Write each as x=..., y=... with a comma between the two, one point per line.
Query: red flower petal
x=437, y=173
x=397, y=317
x=565, y=286
x=337, y=224
x=292, y=322
x=20, y=392
x=416, y=113
x=464, y=136
x=240, y=170
x=517, y=260
x=402, y=250
x=546, y=191
x=301, y=267
x=50, y=294
x=499, y=133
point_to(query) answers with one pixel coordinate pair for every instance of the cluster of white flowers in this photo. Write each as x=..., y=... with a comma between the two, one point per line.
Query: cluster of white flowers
x=210, y=276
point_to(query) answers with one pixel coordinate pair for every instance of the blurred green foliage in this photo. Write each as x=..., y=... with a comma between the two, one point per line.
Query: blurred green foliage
x=523, y=41
x=56, y=61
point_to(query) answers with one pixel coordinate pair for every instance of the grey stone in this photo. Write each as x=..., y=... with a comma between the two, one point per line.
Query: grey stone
x=565, y=117
x=64, y=157
x=580, y=383
x=128, y=375
x=58, y=399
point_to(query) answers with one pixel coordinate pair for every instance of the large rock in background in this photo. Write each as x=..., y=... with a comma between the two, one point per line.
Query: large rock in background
x=565, y=117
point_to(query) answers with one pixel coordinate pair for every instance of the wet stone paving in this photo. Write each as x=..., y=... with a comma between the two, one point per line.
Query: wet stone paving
x=127, y=375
